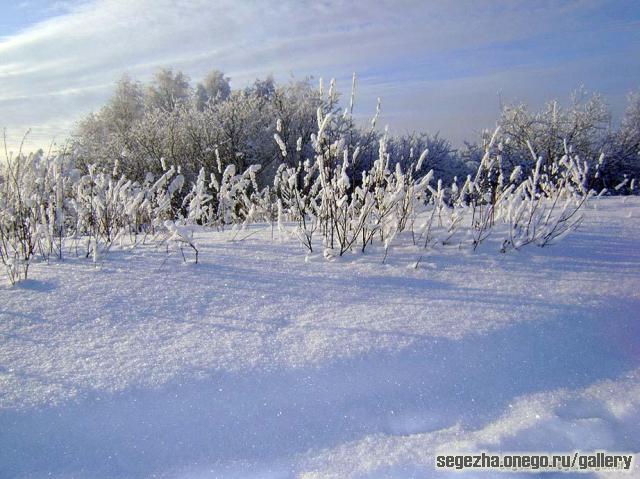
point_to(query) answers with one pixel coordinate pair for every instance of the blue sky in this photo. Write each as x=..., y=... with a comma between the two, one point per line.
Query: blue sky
x=437, y=65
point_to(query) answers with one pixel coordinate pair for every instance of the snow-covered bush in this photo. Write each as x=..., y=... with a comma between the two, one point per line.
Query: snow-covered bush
x=534, y=207
x=46, y=202
x=343, y=187
x=296, y=189
x=21, y=212
x=181, y=236
x=583, y=124
x=541, y=211
x=322, y=197
x=321, y=193
x=227, y=198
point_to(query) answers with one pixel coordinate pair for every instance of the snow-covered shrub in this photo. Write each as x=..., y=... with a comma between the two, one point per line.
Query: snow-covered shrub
x=321, y=193
x=533, y=207
x=296, y=189
x=540, y=210
x=22, y=210
x=198, y=201
x=583, y=124
x=106, y=207
x=234, y=194
x=227, y=198
x=321, y=196
x=45, y=201
x=180, y=235
x=343, y=187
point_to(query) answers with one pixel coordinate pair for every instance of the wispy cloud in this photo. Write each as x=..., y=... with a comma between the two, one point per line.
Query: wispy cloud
x=443, y=56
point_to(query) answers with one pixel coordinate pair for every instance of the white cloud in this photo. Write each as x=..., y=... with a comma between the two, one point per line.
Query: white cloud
x=58, y=69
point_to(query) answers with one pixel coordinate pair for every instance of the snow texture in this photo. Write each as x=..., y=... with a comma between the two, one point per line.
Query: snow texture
x=259, y=362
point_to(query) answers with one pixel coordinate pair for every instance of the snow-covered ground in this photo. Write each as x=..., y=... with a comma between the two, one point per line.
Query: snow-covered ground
x=257, y=363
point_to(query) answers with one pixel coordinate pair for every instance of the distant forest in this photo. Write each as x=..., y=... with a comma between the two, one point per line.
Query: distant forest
x=170, y=120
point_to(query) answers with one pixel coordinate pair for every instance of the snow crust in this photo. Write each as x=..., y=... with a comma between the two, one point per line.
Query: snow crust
x=259, y=362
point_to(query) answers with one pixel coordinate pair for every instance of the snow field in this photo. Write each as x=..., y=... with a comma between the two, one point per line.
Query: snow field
x=258, y=363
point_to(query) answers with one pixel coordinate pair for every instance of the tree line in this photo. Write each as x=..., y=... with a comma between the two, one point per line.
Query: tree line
x=170, y=120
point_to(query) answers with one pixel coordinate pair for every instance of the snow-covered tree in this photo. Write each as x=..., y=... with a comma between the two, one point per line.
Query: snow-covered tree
x=168, y=90
x=214, y=87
